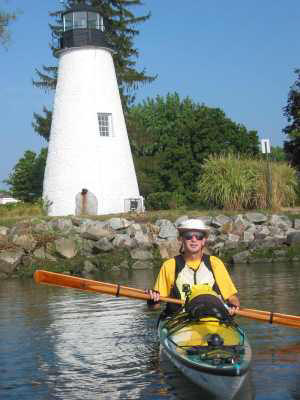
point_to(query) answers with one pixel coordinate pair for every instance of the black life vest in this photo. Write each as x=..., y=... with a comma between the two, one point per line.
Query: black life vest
x=179, y=265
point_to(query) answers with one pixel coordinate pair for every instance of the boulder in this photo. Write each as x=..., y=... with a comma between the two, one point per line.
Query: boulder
x=169, y=248
x=293, y=238
x=220, y=220
x=123, y=240
x=65, y=247
x=103, y=244
x=118, y=223
x=4, y=230
x=167, y=229
x=26, y=241
x=138, y=254
x=256, y=218
x=96, y=232
x=9, y=260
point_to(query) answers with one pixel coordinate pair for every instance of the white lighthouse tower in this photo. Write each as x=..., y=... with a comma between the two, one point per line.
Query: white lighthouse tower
x=88, y=146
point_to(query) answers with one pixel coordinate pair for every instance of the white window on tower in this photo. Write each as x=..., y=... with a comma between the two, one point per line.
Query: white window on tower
x=105, y=124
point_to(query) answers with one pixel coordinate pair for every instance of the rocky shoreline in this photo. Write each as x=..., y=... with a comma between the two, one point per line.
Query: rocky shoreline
x=87, y=247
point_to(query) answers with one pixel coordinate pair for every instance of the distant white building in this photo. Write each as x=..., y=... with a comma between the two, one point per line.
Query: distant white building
x=5, y=199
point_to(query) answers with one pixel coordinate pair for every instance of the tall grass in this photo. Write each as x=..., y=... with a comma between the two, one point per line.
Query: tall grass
x=235, y=183
x=16, y=210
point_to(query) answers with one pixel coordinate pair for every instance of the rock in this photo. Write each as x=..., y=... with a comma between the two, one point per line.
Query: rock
x=118, y=223
x=65, y=247
x=220, y=220
x=103, y=244
x=241, y=258
x=256, y=218
x=296, y=224
x=293, y=238
x=227, y=227
x=26, y=241
x=42, y=253
x=169, y=248
x=9, y=260
x=142, y=265
x=115, y=270
x=239, y=225
x=62, y=225
x=3, y=230
x=85, y=247
x=123, y=240
x=142, y=240
x=133, y=229
x=281, y=221
x=88, y=267
x=233, y=238
x=138, y=254
x=261, y=232
x=248, y=236
x=167, y=229
x=96, y=232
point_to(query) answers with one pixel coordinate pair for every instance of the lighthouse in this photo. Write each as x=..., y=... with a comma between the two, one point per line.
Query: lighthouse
x=88, y=150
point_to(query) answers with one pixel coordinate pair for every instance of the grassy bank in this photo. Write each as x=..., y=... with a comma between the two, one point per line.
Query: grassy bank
x=10, y=214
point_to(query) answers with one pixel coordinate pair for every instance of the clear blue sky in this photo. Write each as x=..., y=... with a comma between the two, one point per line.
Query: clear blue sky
x=236, y=55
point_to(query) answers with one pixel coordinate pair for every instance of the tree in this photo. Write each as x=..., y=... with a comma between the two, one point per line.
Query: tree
x=26, y=180
x=292, y=130
x=5, y=19
x=121, y=29
x=176, y=136
x=277, y=153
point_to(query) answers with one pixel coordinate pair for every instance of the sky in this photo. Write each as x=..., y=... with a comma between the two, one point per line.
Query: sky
x=239, y=56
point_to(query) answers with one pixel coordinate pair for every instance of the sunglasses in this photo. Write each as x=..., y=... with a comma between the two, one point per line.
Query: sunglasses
x=190, y=235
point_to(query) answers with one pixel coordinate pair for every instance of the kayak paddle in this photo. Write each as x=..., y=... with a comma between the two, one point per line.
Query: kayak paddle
x=53, y=278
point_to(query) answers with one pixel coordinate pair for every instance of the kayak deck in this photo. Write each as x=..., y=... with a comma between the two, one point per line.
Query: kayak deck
x=207, y=345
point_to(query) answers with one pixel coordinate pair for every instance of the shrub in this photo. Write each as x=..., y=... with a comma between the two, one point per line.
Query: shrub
x=234, y=182
x=164, y=200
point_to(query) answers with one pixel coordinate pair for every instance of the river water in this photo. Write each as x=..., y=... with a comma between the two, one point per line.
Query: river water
x=58, y=343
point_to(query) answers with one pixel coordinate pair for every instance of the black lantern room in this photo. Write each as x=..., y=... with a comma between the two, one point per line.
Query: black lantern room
x=82, y=26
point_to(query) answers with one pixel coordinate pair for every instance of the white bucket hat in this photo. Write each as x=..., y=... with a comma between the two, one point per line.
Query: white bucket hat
x=193, y=225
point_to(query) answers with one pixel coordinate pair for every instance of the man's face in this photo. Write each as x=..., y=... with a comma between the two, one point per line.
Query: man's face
x=193, y=241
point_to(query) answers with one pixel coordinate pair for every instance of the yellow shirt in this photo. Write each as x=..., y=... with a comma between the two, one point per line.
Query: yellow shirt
x=166, y=277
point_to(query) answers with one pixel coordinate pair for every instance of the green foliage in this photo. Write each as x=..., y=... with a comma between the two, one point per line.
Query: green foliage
x=278, y=154
x=292, y=130
x=236, y=183
x=42, y=124
x=171, y=137
x=26, y=179
x=165, y=201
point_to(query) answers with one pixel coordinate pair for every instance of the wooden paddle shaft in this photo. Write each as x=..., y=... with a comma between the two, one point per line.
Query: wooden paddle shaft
x=272, y=318
x=53, y=278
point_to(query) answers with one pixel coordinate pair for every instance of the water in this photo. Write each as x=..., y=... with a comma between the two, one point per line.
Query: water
x=58, y=343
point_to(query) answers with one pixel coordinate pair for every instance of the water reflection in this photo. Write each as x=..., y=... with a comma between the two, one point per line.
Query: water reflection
x=60, y=343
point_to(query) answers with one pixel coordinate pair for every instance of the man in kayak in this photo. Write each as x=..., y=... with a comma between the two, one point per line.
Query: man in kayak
x=193, y=267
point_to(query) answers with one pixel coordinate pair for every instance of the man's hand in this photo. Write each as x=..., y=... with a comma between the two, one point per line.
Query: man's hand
x=234, y=304
x=153, y=303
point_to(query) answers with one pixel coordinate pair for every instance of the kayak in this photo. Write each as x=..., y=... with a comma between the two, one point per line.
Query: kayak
x=214, y=355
